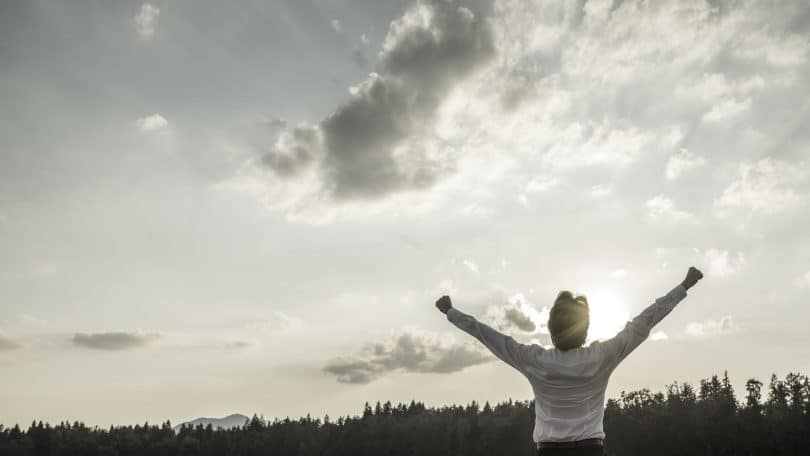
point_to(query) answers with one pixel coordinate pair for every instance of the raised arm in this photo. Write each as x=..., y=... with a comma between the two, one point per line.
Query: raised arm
x=637, y=330
x=504, y=347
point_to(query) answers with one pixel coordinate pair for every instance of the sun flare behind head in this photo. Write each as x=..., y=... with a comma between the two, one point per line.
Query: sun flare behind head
x=608, y=314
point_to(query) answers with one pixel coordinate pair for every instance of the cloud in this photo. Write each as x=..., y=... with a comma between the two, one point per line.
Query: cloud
x=682, y=162
x=726, y=109
x=409, y=351
x=146, y=19
x=722, y=263
x=236, y=345
x=551, y=89
x=229, y=345
x=337, y=26
x=475, y=210
x=113, y=340
x=764, y=187
x=658, y=335
x=541, y=184
x=471, y=265
x=600, y=191
x=596, y=144
x=516, y=313
x=8, y=343
x=661, y=208
x=618, y=273
x=382, y=140
x=275, y=321
x=519, y=319
x=151, y=123
x=802, y=281
x=275, y=123
x=724, y=325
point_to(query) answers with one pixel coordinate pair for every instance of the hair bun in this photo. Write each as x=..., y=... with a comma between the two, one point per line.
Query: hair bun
x=565, y=294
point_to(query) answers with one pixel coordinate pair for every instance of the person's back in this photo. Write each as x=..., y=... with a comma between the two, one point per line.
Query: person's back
x=569, y=390
x=569, y=380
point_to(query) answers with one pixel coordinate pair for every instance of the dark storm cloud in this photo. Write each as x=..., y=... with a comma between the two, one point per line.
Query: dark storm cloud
x=408, y=352
x=379, y=141
x=112, y=340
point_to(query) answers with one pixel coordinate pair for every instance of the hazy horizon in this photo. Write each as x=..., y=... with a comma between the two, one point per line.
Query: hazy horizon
x=209, y=209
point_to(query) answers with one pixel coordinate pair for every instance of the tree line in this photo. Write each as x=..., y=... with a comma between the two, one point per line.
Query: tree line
x=682, y=420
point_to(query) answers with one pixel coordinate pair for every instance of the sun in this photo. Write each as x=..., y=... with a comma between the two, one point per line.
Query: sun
x=608, y=314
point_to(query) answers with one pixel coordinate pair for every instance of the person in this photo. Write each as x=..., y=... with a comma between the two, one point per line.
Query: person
x=569, y=379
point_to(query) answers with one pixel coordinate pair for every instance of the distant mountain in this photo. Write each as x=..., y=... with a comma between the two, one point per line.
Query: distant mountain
x=230, y=421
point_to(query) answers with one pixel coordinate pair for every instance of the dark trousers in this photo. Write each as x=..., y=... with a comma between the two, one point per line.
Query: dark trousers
x=578, y=451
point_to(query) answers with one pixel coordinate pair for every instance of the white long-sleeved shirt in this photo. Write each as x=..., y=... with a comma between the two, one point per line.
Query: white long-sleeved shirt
x=569, y=386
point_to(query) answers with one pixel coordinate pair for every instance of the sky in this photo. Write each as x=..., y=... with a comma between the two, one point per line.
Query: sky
x=210, y=208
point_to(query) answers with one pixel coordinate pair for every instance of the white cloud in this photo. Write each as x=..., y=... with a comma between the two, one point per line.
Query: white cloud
x=543, y=100
x=710, y=87
x=522, y=199
x=724, y=325
x=600, y=190
x=581, y=145
x=723, y=263
x=764, y=186
x=146, y=19
x=152, y=123
x=663, y=209
x=475, y=210
x=658, y=335
x=541, y=184
x=337, y=26
x=618, y=273
x=802, y=281
x=682, y=162
x=471, y=265
x=275, y=321
x=716, y=87
x=726, y=109
x=774, y=47
x=447, y=287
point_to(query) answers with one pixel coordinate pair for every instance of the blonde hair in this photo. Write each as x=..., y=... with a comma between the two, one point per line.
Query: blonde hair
x=568, y=321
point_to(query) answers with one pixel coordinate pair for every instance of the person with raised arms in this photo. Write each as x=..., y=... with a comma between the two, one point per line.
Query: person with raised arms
x=569, y=379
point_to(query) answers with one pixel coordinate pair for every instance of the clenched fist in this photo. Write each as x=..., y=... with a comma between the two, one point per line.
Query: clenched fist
x=444, y=304
x=692, y=277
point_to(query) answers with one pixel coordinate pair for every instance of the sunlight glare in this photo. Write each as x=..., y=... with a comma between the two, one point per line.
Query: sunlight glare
x=608, y=314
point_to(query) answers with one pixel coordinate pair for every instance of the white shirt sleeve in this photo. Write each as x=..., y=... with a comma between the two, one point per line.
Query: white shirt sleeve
x=504, y=347
x=637, y=330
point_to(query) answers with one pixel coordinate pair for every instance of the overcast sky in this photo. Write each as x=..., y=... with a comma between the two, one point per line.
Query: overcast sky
x=209, y=208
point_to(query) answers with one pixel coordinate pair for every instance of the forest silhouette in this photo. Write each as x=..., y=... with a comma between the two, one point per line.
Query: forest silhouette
x=682, y=420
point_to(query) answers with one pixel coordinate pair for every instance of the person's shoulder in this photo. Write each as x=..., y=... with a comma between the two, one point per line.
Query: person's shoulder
x=595, y=348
